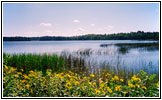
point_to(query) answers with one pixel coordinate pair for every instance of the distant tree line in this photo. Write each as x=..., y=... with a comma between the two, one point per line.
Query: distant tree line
x=139, y=35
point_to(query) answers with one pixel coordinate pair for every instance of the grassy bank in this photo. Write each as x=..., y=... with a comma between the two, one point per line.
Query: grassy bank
x=43, y=62
x=50, y=75
x=68, y=84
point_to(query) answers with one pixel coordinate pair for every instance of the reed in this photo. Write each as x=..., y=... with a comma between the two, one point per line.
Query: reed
x=35, y=62
x=62, y=63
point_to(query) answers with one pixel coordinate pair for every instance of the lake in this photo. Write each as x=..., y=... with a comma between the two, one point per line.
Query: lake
x=99, y=54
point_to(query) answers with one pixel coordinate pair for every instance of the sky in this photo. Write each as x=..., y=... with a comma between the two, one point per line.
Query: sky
x=73, y=19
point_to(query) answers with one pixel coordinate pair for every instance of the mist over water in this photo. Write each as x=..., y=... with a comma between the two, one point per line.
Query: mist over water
x=127, y=55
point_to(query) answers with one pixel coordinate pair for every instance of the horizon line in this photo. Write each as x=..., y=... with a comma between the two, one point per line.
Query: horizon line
x=89, y=34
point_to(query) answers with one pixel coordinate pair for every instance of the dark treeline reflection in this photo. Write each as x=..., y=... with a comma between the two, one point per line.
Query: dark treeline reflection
x=124, y=48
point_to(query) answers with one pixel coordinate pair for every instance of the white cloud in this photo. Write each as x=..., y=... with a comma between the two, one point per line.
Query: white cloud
x=80, y=29
x=45, y=24
x=92, y=25
x=76, y=21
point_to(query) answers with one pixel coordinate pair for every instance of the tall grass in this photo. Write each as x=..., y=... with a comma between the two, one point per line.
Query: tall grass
x=45, y=61
x=62, y=63
x=35, y=62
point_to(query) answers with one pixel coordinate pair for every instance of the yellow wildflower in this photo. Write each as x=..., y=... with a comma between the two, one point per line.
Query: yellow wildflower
x=92, y=75
x=61, y=73
x=27, y=86
x=45, y=88
x=83, y=88
x=15, y=94
x=94, y=84
x=23, y=81
x=118, y=88
x=130, y=85
x=144, y=87
x=43, y=78
x=68, y=75
x=22, y=70
x=18, y=86
x=32, y=75
x=97, y=91
x=70, y=72
x=62, y=77
x=100, y=80
x=31, y=91
x=122, y=80
x=16, y=75
x=103, y=92
x=85, y=78
x=107, y=75
x=5, y=66
x=157, y=84
x=125, y=92
x=57, y=75
x=68, y=84
x=71, y=79
x=26, y=77
x=109, y=90
x=113, y=79
x=101, y=86
x=12, y=70
x=42, y=84
x=138, y=85
x=116, y=77
x=134, y=78
x=19, y=73
x=70, y=87
x=76, y=83
x=31, y=71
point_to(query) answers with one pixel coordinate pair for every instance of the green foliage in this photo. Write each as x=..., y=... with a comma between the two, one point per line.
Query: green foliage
x=69, y=84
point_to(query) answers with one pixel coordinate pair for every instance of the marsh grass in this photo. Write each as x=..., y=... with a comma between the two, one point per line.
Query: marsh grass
x=35, y=62
x=45, y=61
x=63, y=63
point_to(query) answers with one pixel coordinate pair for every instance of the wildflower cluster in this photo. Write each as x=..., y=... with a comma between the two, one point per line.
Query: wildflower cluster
x=35, y=84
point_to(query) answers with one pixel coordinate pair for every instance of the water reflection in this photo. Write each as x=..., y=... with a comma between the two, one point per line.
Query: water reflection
x=124, y=48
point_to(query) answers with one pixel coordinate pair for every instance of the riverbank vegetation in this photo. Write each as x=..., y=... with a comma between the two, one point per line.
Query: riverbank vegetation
x=62, y=63
x=68, y=84
x=33, y=75
x=139, y=35
x=42, y=62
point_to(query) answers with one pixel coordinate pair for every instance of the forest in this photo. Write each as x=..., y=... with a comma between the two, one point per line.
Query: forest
x=139, y=35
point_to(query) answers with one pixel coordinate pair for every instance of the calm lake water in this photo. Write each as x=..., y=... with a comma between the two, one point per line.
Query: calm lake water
x=121, y=54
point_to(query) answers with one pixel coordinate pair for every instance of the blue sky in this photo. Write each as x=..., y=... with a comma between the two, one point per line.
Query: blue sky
x=72, y=19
